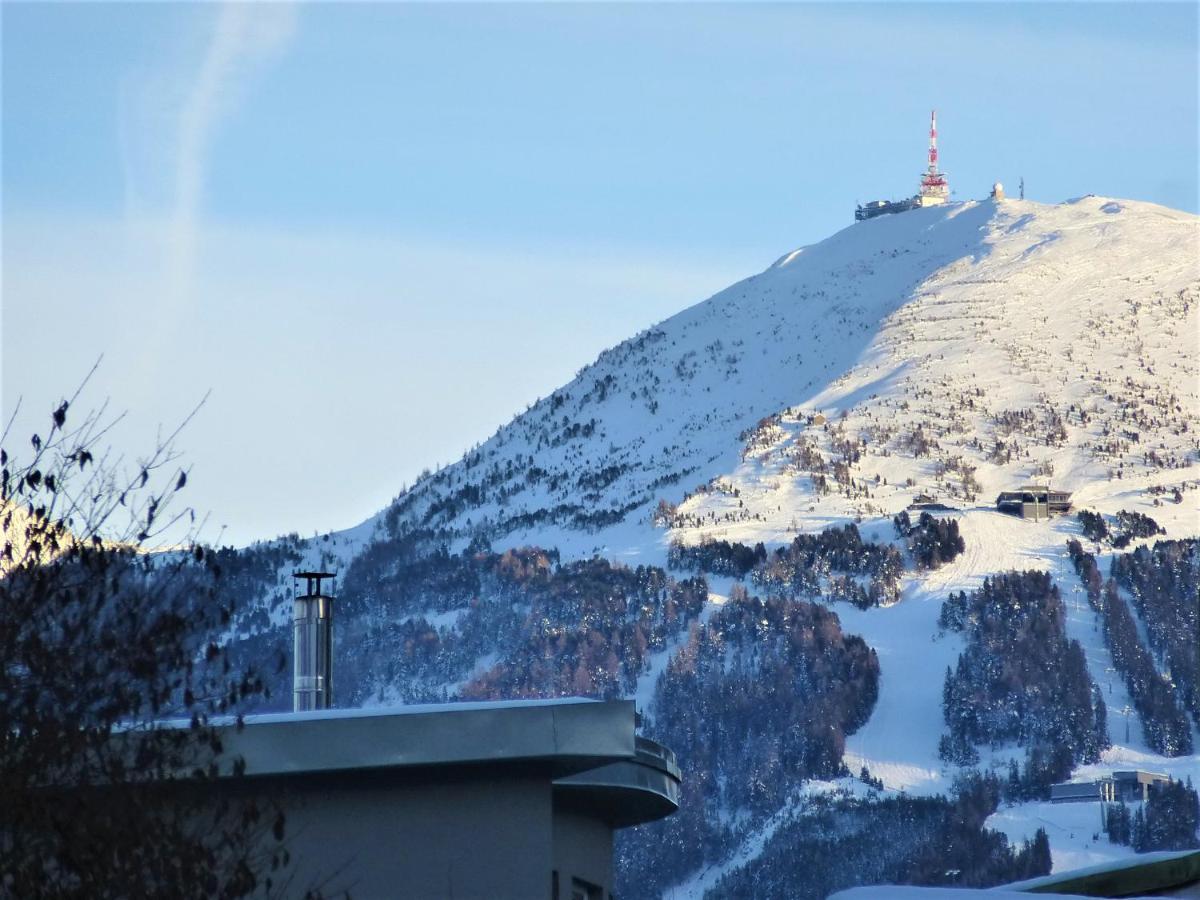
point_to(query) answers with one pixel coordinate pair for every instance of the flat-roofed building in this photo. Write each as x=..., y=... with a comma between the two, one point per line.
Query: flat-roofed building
x=515, y=799
x=1124, y=786
x=1083, y=792
x=1034, y=502
x=1135, y=786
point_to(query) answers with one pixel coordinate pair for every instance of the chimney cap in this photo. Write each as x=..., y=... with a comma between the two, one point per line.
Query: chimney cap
x=314, y=582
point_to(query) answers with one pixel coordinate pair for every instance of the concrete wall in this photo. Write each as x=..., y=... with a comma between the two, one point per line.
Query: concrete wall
x=583, y=848
x=397, y=837
x=445, y=832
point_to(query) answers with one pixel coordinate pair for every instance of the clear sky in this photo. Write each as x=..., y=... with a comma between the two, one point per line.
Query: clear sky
x=377, y=231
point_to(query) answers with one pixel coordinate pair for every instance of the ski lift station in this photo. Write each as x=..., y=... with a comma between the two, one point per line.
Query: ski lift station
x=1034, y=501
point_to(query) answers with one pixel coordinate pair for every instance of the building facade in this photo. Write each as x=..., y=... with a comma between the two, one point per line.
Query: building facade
x=1124, y=787
x=1034, y=502
x=466, y=800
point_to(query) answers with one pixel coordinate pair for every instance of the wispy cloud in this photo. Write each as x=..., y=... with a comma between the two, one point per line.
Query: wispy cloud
x=245, y=36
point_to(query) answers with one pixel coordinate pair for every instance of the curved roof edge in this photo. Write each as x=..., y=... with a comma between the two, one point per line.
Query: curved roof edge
x=570, y=735
x=626, y=793
x=587, y=747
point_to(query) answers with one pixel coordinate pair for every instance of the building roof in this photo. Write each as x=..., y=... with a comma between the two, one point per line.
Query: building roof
x=1139, y=775
x=1161, y=871
x=588, y=748
x=576, y=734
x=1118, y=775
x=1144, y=873
x=1075, y=788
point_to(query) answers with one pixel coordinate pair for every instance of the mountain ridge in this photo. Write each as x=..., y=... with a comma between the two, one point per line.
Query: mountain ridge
x=844, y=290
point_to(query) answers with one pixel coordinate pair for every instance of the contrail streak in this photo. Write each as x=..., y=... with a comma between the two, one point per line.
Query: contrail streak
x=245, y=34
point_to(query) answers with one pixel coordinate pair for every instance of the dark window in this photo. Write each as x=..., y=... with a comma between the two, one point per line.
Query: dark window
x=585, y=890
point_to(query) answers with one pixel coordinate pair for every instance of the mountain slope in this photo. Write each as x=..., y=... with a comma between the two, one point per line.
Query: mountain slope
x=953, y=352
x=978, y=323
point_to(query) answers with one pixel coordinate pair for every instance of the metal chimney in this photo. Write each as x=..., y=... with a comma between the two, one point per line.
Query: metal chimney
x=312, y=619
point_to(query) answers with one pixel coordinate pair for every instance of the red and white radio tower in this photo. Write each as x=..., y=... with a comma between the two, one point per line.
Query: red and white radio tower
x=934, y=188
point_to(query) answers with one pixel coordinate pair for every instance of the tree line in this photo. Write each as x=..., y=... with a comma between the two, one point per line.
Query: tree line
x=833, y=564
x=1019, y=679
x=1164, y=584
x=1168, y=820
x=1164, y=723
x=758, y=699
x=840, y=842
x=932, y=542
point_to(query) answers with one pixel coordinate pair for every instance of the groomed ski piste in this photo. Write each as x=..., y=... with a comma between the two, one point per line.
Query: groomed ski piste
x=961, y=350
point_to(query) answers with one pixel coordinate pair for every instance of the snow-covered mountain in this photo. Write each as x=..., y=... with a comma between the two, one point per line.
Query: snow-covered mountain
x=952, y=352
x=1067, y=333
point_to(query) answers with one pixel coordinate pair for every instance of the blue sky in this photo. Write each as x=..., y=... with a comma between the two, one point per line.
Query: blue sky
x=407, y=221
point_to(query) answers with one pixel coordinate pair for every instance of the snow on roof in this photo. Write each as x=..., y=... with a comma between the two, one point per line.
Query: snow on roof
x=368, y=712
x=906, y=892
x=407, y=710
x=1141, y=860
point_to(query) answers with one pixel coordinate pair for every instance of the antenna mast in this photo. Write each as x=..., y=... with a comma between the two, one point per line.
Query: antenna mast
x=933, y=142
x=934, y=188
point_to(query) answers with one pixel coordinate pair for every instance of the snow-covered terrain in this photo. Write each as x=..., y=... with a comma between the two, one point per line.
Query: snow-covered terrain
x=1082, y=316
x=953, y=352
